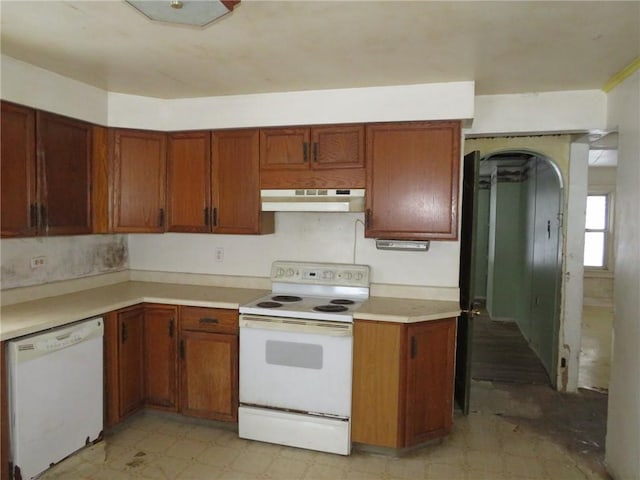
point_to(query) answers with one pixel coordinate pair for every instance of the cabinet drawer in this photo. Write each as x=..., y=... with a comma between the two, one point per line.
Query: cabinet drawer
x=203, y=319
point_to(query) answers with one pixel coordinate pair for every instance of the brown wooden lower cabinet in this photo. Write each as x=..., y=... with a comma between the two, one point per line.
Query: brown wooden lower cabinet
x=402, y=382
x=171, y=358
x=209, y=363
x=159, y=354
x=130, y=359
x=123, y=363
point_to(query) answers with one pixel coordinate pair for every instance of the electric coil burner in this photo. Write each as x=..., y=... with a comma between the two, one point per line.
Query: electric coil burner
x=330, y=308
x=296, y=348
x=286, y=298
x=269, y=304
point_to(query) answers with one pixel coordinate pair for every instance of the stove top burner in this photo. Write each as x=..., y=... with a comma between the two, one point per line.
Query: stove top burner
x=286, y=298
x=342, y=301
x=269, y=304
x=330, y=308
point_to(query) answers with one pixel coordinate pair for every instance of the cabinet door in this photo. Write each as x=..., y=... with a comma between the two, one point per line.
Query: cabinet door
x=64, y=151
x=430, y=374
x=209, y=373
x=236, y=184
x=139, y=166
x=189, y=182
x=337, y=146
x=284, y=148
x=377, y=374
x=130, y=360
x=412, y=183
x=160, y=356
x=18, y=175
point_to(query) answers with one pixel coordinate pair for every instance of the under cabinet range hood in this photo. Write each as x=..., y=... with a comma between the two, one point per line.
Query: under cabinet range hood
x=313, y=200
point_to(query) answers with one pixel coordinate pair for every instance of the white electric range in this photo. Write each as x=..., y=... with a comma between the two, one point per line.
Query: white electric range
x=296, y=355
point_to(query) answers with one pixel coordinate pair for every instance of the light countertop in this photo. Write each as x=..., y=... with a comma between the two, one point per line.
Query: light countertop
x=30, y=317
x=406, y=310
x=37, y=315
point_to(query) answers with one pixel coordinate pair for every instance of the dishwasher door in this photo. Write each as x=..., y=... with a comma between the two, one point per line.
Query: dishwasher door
x=55, y=394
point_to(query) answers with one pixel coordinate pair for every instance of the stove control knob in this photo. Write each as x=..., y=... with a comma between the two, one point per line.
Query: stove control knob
x=359, y=275
x=348, y=275
x=327, y=275
x=280, y=272
x=290, y=272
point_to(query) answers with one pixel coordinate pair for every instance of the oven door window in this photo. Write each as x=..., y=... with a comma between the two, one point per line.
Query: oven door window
x=293, y=354
x=296, y=370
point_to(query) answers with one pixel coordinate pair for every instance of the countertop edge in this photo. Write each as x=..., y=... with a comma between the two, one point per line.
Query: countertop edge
x=405, y=318
x=129, y=294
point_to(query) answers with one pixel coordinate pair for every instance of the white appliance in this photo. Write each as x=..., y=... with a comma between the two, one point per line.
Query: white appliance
x=296, y=348
x=55, y=394
x=313, y=200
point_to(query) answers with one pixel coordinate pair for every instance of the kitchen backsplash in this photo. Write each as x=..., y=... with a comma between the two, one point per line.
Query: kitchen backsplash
x=60, y=258
x=311, y=237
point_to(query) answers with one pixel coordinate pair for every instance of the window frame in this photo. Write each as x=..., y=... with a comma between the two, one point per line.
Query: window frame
x=608, y=260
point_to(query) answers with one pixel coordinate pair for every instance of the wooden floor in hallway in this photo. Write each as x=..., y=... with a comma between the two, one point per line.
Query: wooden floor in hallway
x=501, y=354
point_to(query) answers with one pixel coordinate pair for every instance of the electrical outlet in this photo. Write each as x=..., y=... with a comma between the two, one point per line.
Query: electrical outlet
x=219, y=254
x=37, y=262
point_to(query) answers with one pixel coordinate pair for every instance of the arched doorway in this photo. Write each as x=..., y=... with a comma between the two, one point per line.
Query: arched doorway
x=518, y=263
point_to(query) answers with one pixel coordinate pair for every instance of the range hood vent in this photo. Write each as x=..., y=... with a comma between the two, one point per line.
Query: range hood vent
x=313, y=200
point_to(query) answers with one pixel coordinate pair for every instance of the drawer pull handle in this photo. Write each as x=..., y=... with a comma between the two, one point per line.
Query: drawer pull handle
x=208, y=320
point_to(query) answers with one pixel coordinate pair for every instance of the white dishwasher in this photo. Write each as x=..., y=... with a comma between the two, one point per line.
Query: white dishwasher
x=55, y=394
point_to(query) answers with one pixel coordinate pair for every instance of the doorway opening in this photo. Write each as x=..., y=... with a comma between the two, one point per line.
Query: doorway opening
x=518, y=265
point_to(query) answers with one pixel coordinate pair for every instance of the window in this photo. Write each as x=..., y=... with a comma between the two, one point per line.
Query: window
x=596, y=231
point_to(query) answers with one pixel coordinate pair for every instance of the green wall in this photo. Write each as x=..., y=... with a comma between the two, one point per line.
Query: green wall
x=506, y=250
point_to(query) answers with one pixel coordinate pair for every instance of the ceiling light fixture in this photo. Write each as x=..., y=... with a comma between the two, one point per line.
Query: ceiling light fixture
x=197, y=13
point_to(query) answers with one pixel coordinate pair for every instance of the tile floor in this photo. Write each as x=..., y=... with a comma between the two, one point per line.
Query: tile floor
x=595, y=351
x=493, y=442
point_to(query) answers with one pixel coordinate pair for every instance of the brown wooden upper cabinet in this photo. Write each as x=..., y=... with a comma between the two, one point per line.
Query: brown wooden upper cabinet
x=312, y=157
x=46, y=172
x=213, y=183
x=412, y=180
x=139, y=180
x=18, y=161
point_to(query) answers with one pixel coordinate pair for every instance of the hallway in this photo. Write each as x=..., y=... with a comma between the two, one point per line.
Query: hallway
x=500, y=353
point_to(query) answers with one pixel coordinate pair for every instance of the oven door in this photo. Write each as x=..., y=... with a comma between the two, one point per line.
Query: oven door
x=300, y=365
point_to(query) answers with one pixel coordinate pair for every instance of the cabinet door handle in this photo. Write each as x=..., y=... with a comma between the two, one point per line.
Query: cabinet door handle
x=414, y=347
x=367, y=218
x=171, y=328
x=33, y=215
x=210, y=320
x=124, y=332
x=305, y=151
x=182, y=349
x=161, y=218
x=315, y=151
x=206, y=215
x=214, y=215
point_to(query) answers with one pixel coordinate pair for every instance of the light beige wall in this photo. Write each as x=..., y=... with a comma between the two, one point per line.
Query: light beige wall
x=623, y=419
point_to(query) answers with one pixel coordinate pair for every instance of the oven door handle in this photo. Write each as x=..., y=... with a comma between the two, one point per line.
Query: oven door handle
x=333, y=329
